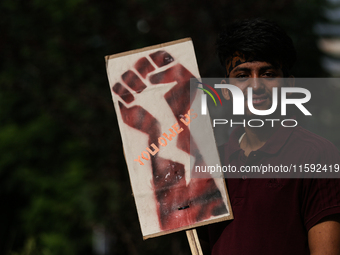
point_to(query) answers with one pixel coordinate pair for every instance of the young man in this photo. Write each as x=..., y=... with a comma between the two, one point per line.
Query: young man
x=272, y=216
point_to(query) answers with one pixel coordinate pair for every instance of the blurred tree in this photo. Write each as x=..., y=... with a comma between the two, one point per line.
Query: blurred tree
x=64, y=182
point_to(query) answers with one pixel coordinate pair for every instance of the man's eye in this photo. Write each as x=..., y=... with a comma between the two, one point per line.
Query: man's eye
x=269, y=75
x=241, y=76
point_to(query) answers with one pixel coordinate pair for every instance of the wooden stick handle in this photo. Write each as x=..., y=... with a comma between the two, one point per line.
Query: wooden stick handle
x=194, y=242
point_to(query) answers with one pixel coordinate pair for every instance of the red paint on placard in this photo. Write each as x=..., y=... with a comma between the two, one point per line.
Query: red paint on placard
x=133, y=81
x=143, y=66
x=178, y=98
x=161, y=58
x=121, y=91
x=178, y=203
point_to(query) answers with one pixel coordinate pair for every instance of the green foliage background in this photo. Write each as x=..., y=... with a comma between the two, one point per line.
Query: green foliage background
x=62, y=169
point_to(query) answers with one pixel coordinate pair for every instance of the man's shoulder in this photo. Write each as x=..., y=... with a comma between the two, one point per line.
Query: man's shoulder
x=310, y=140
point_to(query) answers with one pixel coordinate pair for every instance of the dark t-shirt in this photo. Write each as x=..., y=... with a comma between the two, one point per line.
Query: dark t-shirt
x=273, y=216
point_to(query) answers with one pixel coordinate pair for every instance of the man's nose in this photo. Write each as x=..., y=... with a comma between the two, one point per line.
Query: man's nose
x=256, y=83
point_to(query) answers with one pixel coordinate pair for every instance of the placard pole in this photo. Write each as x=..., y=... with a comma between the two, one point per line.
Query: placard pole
x=194, y=242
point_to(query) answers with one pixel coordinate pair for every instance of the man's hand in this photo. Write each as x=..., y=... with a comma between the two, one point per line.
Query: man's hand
x=324, y=237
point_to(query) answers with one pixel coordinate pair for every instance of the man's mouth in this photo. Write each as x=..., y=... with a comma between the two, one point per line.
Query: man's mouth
x=259, y=99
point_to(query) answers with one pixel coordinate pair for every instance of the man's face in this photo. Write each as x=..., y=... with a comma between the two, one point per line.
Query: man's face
x=261, y=77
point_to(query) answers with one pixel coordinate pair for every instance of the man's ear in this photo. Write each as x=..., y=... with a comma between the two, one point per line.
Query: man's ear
x=225, y=92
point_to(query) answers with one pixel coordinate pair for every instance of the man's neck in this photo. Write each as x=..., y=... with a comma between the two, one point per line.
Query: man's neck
x=255, y=138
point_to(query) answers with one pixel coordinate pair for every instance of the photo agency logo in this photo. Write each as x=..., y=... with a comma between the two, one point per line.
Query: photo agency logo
x=204, y=97
x=240, y=101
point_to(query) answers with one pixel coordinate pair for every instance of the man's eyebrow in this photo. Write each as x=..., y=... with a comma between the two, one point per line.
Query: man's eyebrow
x=247, y=69
x=264, y=68
x=241, y=69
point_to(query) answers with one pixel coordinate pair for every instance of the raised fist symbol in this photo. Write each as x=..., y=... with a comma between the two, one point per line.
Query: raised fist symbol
x=179, y=202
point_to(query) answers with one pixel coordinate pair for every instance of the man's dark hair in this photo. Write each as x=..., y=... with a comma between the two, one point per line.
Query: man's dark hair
x=259, y=39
